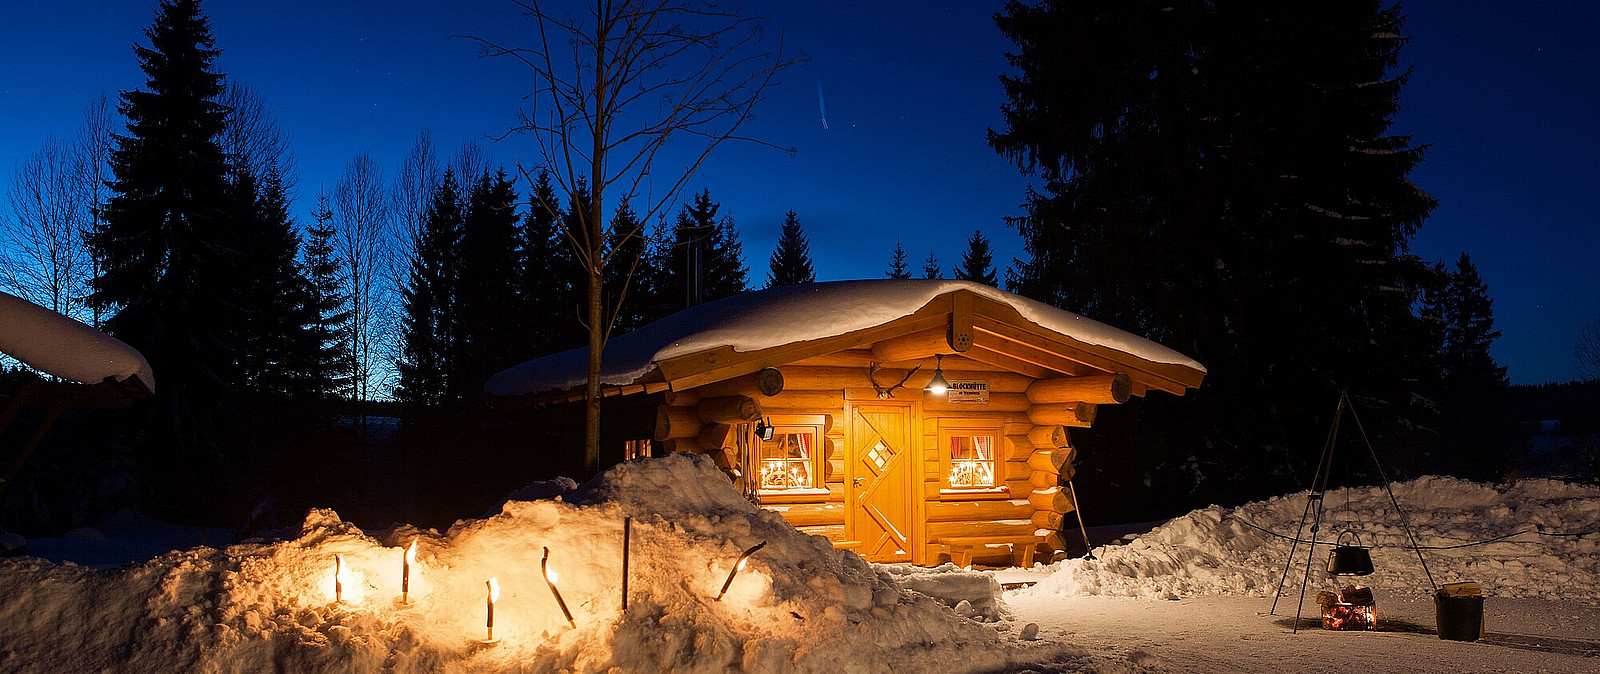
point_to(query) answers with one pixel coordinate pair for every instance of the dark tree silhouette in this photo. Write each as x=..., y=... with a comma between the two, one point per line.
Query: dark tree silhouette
x=485, y=327
x=163, y=244
x=930, y=267
x=428, y=347
x=1228, y=185
x=331, y=330
x=791, y=259
x=703, y=242
x=1474, y=395
x=977, y=263
x=898, y=269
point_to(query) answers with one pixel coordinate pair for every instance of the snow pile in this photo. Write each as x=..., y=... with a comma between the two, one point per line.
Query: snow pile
x=798, y=606
x=787, y=314
x=1217, y=551
x=60, y=346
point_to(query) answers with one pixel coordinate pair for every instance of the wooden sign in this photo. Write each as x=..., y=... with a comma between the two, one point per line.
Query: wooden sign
x=968, y=392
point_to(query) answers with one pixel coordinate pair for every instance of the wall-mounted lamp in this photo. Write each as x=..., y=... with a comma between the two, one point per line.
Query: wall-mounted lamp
x=764, y=429
x=938, y=385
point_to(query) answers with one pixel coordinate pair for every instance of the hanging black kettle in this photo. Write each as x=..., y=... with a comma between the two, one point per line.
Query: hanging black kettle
x=1349, y=560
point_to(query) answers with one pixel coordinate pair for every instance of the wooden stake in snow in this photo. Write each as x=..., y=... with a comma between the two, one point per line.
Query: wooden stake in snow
x=494, y=594
x=405, y=572
x=338, y=578
x=627, y=527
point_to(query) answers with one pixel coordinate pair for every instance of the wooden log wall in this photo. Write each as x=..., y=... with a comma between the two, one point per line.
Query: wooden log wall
x=1029, y=419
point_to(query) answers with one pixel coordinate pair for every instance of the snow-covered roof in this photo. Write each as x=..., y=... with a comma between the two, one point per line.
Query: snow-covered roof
x=65, y=348
x=763, y=319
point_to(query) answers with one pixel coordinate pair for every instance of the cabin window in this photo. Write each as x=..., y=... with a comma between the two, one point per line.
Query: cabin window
x=635, y=449
x=971, y=461
x=790, y=459
x=970, y=454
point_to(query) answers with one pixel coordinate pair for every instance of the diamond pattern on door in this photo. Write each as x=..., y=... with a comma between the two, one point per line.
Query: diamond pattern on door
x=880, y=455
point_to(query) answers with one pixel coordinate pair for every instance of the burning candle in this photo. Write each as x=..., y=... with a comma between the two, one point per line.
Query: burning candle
x=405, y=572
x=739, y=566
x=338, y=578
x=550, y=580
x=494, y=594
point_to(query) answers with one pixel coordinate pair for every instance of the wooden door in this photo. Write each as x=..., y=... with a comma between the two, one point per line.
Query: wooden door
x=880, y=480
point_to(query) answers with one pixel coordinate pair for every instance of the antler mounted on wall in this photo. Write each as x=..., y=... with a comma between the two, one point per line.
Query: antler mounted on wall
x=886, y=393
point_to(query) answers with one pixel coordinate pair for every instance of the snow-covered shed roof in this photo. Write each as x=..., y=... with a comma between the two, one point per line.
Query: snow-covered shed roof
x=740, y=334
x=65, y=348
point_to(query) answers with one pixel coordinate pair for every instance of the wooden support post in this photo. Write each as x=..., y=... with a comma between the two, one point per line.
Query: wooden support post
x=1101, y=389
x=960, y=336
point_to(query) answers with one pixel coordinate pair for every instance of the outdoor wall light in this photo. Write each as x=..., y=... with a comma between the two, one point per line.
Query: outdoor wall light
x=764, y=429
x=938, y=385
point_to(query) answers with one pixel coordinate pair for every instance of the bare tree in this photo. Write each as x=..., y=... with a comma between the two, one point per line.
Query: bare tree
x=413, y=189
x=46, y=261
x=92, y=161
x=1588, y=351
x=612, y=89
x=361, y=216
x=253, y=140
x=470, y=163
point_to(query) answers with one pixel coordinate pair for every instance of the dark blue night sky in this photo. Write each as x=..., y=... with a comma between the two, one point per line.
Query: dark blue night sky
x=1505, y=94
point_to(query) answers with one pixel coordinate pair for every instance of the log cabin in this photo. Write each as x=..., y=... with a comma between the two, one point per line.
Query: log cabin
x=918, y=421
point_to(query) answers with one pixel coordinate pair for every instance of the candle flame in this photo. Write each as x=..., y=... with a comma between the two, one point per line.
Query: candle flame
x=411, y=552
x=743, y=561
x=338, y=569
x=494, y=590
x=551, y=576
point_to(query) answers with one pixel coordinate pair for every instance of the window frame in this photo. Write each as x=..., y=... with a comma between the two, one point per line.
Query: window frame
x=949, y=429
x=814, y=467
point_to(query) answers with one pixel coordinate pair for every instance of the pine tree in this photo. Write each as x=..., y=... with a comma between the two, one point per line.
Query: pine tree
x=279, y=354
x=1474, y=392
x=977, y=263
x=428, y=346
x=162, y=246
x=545, y=272
x=627, y=272
x=897, y=263
x=930, y=267
x=1228, y=186
x=485, y=326
x=699, y=232
x=791, y=259
x=330, y=331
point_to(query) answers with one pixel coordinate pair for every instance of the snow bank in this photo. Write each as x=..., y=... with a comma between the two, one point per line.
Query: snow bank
x=763, y=319
x=1217, y=551
x=65, y=348
x=798, y=606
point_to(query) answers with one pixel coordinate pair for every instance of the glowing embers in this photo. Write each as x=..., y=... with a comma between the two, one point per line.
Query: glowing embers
x=1350, y=609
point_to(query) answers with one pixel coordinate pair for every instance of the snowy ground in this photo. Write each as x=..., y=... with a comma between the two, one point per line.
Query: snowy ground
x=1191, y=595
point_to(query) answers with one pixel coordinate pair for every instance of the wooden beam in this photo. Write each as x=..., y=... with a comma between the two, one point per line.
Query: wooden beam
x=1047, y=519
x=998, y=402
x=993, y=358
x=1045, y=437
x=1050, y=460
x=914, y=346
x=1054, y=499
x=1027, y=353
x=681, y=398
x=968, y=511
x=1106, y=389
x=959, y=338
x=716, y=435
x=767, y=381
x=1077, y=415
x=728, y=410
x=676, y=422
x=990, y=529
x=1168, y=377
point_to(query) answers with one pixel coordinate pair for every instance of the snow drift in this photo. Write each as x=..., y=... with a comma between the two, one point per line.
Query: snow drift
x=1217, y=551
x=799, y=605
x=63, y=347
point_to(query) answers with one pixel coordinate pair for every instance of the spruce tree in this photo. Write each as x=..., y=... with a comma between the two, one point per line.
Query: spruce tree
x=545, y=285
x=485, y=324
x=1474, y=396
x=697, y=231
x=723, y=263
x=330, y=331
x=627, y=275
x=1227, y=185
x=428, y=347
x=897, y=264
x=977, y=263
x=791, y=259
x=930, y=267
x=279, y=354
x=162, y=245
